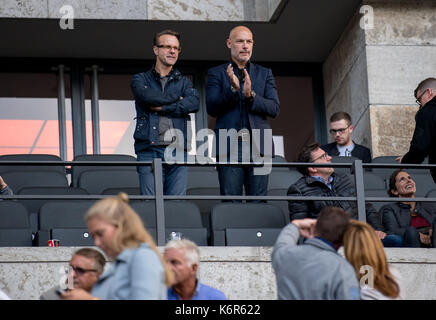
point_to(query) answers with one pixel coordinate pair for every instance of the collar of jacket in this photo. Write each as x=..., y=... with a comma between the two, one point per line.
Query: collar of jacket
x=235, y=66
x=174, y=74
x=311, y=180
x=124, y=256
x=320, y=244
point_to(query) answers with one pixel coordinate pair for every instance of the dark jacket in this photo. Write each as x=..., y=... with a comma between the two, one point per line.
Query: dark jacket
x=341, y=187
x=423, y=142
x=359, y=151
x=396, y=216
x=226, y=106
x=147, y=90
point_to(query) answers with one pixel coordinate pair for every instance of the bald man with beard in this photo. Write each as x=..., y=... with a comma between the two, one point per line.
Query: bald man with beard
x=241, y=96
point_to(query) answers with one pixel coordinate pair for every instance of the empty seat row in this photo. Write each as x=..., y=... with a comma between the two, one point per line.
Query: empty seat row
x=231, y=224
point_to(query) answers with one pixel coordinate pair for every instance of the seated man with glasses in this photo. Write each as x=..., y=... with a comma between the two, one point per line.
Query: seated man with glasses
x=324, y=182
x=341, y=129
x=86, y=266
x=423, y=142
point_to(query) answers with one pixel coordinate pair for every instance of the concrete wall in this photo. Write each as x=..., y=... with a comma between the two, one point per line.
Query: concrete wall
x=178, y=10
x=379, y=69
x=240, y=272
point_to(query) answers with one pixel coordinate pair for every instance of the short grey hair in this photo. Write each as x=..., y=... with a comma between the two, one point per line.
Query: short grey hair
x=192, y=253
x=429, y=83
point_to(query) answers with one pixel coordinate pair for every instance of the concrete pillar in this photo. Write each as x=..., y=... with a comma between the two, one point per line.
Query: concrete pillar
x=372, y=72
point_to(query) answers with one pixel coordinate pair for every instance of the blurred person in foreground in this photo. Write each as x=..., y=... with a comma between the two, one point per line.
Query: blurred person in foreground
x=366, y=254
x=85, y=267
x=183, y=257
x=314, y=270
x=138, y=271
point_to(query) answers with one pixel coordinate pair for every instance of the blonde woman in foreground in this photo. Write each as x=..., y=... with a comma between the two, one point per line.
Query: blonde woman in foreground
x=362, y=247
x=138, y=271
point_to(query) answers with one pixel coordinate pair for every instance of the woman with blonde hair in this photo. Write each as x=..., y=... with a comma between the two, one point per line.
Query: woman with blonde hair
x=138, y=270
x=364, y=250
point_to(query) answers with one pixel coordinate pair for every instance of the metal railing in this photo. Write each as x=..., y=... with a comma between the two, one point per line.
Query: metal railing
x=356, y=167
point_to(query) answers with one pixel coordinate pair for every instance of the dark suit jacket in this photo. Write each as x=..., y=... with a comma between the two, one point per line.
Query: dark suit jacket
x=225, y=105
x=423, y=143
x=359, y=151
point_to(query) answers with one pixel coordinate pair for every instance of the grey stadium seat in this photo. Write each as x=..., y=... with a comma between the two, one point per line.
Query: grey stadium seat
x=14, y=225
x=33, y=168
x=255, y=216
x=22, y=179
x=96, y=181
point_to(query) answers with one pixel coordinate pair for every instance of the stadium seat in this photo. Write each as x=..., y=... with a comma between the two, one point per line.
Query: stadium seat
x=180, y=216
x=76, y=171
x=338, y=159
x=424, y=183
x=57, y=215
x=379, y=193
x=14, y=225
x=248, y=216
x=132, y=191
x=30, y=157
x=22, y=179
x=96, y=181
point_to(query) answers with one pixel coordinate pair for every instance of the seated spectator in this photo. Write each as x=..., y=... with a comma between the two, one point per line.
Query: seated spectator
x=341, y=129
x=183, y=258
x=4, y=188
x=86, y=266
x=138, y=271
x=362, y=248
x=415, y=222
x=314, y=271
x=320, y=181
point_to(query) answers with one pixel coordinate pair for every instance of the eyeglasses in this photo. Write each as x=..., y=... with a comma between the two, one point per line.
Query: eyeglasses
x=324, y=156
x=418, y=100
x=167, y=47
x=79, y=271
x=340, y=131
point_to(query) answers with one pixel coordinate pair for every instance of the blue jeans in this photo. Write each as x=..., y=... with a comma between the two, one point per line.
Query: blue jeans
x=233, y=179
x=392, y=240
x=174, y=178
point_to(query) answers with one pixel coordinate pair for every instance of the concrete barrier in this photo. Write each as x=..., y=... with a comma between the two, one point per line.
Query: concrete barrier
x=240, y=272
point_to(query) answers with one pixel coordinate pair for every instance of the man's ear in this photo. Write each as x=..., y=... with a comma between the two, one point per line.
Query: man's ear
x=351, y=127
x=155, y=50
x=194, y=267
x=228, y=43
x=312, y=170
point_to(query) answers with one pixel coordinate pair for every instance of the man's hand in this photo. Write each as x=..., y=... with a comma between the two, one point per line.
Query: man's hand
x=380, y=234
x=2, y=183
x=425, y=239
x=399, y=159
x=76, y=294
x=306, y=226
x=247, y=85
x=234, y=81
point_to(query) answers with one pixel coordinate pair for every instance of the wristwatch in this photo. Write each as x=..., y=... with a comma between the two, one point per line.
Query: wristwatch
x=252, y=95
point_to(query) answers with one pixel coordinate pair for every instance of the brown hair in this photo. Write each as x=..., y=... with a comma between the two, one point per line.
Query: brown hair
x=393, y=181
x=167, y=31
x=99, y=259
x=332, y=223
x=363, y=247
x=305, y=155
x=130, y=231
x=341, y=115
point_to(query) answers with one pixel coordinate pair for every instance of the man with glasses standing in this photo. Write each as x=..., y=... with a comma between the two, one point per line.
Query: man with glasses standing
x=423, y=142
x=85, y=267
x=324, y=182
x=164, y=98
x=341, y=128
